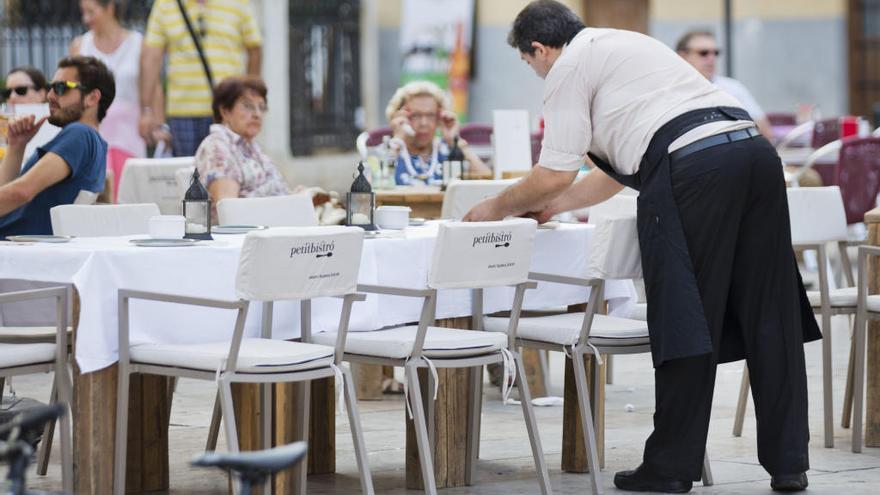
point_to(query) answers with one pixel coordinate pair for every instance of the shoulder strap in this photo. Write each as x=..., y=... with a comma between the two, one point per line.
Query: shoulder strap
x=198, y=44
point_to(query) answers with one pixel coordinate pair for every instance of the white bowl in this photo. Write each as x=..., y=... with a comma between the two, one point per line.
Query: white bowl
x=167, y=226
x=392, y=217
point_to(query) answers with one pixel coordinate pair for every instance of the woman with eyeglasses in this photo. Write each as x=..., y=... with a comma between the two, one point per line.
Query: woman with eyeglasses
x=24, y=85
x=120, y=50
x=415, y=113
x=229, y=160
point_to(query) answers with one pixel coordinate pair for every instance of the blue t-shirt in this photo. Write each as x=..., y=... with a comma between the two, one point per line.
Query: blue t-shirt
x=403, y=175
x=86, y=154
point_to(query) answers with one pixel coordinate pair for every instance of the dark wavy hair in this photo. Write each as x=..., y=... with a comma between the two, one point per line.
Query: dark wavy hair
x=546, y=21
x=93, y=74
x=32, y=72
x=231, y=89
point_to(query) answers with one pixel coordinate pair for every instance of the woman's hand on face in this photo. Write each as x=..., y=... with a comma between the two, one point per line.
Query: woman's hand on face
x=449, y=125
x=400, y=124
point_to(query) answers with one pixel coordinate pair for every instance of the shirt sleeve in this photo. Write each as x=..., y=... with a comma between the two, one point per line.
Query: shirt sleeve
x=567, y=127
x=76, y=147
x=250, y=31
x=155, y=32
x=214, y=161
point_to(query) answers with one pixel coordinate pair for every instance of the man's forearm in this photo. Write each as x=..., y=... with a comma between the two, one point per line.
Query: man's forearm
x=254, y=60
x=11, y=198
x=10, y=167
x=151, y=65
x=535, y=191
x=596, y=187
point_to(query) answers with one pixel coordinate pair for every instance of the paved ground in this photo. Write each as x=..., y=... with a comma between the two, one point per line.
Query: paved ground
x=506, y=465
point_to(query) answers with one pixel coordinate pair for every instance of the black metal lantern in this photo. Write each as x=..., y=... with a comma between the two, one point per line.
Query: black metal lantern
x=454, y=165
x=360, y=204
x=197, y=210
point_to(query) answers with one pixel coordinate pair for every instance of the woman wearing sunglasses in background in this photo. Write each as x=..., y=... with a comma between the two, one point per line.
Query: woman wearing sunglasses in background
x=120, y=50
x=24, y=84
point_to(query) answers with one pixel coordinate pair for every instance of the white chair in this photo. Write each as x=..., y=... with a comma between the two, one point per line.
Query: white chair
x=826, y=153
x=102, y=220
x=817, y=218
x=868, y=308
x=44, y=357
x=294, y=210
x=277, y=264
x=153, y=180
x=462, y=195
x=614, y=254
x=182, y=177
x=466, y=256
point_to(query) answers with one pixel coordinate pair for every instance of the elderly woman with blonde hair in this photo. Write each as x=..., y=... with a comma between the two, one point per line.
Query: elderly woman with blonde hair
x=415, y=113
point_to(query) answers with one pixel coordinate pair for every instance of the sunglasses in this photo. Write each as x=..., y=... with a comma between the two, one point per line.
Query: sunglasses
x=61, y=87
x=706, y=53
x=20, y=91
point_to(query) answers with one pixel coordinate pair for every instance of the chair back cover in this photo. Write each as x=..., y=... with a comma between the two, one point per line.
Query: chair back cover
x=102, y=220
x=153, y=180
x=182, y=176
x=294, y=210
x=858, y=175
x=482, y=254
x=816, y=215
x=462, y=195
x=299, y=263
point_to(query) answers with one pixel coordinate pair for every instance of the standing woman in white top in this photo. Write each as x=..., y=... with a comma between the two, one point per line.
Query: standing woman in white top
x=120, y=50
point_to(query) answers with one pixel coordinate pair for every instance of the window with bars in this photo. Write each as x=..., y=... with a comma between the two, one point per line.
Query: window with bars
x=324, y=74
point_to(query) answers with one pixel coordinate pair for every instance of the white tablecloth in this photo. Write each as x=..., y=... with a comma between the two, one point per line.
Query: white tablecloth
x=98, y=267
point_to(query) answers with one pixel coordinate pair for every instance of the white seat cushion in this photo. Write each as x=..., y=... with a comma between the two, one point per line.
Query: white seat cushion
x=639, y=312
x=25, y=335
x=607, y=331
x=25, y=354
x=873, y=303
x=255, y=355
x=397, y=343
x=839, y=297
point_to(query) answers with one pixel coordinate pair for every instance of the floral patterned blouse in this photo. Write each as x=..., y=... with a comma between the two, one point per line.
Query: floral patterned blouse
x=225, y=154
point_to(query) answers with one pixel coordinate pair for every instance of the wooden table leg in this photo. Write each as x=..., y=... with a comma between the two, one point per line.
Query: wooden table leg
x=872, y=384
x=534, y=372
x=368, y=380
x=322, y=430
x=574, y=455
x=450, y=425
x=94, y=420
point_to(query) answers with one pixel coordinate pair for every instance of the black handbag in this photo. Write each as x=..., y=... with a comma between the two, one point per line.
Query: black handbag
x=197, y=42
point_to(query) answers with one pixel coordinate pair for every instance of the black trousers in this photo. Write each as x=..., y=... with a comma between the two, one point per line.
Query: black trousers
x=734, y=212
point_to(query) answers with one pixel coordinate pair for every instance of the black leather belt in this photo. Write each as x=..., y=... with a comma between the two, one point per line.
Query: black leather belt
x=708, y=142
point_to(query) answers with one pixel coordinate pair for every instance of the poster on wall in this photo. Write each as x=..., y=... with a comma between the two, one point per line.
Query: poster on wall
x=436, y=37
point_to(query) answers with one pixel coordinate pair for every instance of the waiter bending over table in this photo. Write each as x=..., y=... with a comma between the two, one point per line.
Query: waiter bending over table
x=720, y=274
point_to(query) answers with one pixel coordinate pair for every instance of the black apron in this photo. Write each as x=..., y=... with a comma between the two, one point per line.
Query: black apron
x=676, y=320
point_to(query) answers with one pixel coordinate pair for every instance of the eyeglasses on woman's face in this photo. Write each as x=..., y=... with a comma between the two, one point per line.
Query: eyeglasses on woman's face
x=19, y=90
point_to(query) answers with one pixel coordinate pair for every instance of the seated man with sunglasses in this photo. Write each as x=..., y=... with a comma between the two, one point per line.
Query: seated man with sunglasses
x=701, y=50
x=75, y=160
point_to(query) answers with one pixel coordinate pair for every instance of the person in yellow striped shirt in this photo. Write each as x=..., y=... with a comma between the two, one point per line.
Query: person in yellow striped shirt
x=230, y=38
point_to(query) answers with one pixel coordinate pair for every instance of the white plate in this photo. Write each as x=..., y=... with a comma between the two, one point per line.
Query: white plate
x=39, y=238
x=382, y=234
x=236, y=229
x=416, y=222
x=164, y=242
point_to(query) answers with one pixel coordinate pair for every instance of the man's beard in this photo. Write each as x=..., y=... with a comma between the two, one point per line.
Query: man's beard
x=69, y=115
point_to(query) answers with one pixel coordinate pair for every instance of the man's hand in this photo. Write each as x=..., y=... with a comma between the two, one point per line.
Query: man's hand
x=542, y=216
x=485, y=211
x=147, y=125
x=22, y=130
